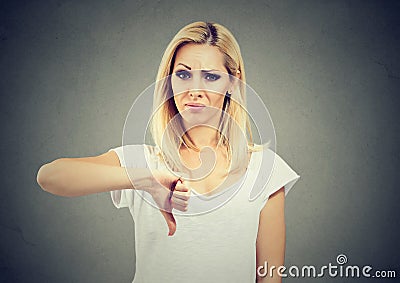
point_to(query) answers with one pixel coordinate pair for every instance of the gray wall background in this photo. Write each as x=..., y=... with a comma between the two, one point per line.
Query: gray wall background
x=329, y=72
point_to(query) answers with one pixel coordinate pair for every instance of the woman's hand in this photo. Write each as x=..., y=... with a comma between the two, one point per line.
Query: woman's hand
x=169, y=193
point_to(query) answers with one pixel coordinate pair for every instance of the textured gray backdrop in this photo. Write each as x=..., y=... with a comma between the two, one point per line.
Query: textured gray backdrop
x=329, y=72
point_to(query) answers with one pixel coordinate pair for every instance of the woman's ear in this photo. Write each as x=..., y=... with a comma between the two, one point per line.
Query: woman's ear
x=238, y=74
x=235, y=81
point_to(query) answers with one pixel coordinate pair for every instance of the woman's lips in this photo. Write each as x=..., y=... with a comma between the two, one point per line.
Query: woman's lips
x=194, y=107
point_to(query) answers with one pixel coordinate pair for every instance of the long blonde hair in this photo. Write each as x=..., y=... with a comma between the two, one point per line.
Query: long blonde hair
x=236, y=125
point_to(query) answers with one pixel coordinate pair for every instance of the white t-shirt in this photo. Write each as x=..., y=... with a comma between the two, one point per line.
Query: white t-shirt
x=218, y=246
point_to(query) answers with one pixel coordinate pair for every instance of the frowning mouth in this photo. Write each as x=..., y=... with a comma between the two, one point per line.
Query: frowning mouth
x=194, y=107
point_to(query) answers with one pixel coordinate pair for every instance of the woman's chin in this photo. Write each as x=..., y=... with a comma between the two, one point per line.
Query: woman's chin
x=201, y=116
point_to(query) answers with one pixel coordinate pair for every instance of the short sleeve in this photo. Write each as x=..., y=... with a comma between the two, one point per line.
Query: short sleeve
x=282, y=176
x=130, y=156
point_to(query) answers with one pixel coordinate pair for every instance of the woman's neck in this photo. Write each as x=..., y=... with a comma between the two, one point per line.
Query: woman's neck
x=202, y=136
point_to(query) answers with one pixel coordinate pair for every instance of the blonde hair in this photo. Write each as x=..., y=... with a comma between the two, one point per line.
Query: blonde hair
x=236, y=122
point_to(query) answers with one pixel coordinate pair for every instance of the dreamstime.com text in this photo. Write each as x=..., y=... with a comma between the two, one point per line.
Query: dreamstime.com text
x=331, y=270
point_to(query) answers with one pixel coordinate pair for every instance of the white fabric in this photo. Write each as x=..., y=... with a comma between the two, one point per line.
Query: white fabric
x=219, y=246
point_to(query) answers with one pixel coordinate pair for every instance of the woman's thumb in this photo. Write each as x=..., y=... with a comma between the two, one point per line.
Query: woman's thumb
x=169, y=217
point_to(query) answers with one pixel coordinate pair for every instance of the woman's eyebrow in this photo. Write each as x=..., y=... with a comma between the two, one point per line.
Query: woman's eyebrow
x=203, y=71
x=186, y=66
x=210, y=70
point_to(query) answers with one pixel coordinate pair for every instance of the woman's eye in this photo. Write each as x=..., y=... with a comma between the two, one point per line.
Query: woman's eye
x=212, y=77
x=184, y=75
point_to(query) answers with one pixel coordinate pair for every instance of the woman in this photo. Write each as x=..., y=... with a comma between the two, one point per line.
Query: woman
x=203, y=151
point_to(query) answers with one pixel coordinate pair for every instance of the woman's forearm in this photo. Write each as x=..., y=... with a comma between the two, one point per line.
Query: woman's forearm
x=67, y=177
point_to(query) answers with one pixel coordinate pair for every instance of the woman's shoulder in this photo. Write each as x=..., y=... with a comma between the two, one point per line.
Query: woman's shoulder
x=136, y=154
x=147, y=149
x=262, y=150
x=267, y=160
x=267, y=154
x=151, y=148
x=272, y=170
x=138, y=146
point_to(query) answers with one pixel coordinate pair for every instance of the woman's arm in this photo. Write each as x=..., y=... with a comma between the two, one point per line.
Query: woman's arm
x=82, y=176
x=88, y=175
x=271, y=237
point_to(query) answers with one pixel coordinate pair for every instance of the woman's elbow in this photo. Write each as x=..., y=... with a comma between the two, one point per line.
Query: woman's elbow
x=48, y=178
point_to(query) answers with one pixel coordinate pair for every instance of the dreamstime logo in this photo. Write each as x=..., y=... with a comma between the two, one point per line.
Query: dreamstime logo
x=165, y=111
x=331, y=270
x=341, y=259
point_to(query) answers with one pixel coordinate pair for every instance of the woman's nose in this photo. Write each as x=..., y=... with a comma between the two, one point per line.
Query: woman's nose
x=196, y=87
x=196, y=93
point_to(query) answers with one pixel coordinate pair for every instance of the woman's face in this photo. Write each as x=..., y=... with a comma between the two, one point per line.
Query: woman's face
x=199, y=82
